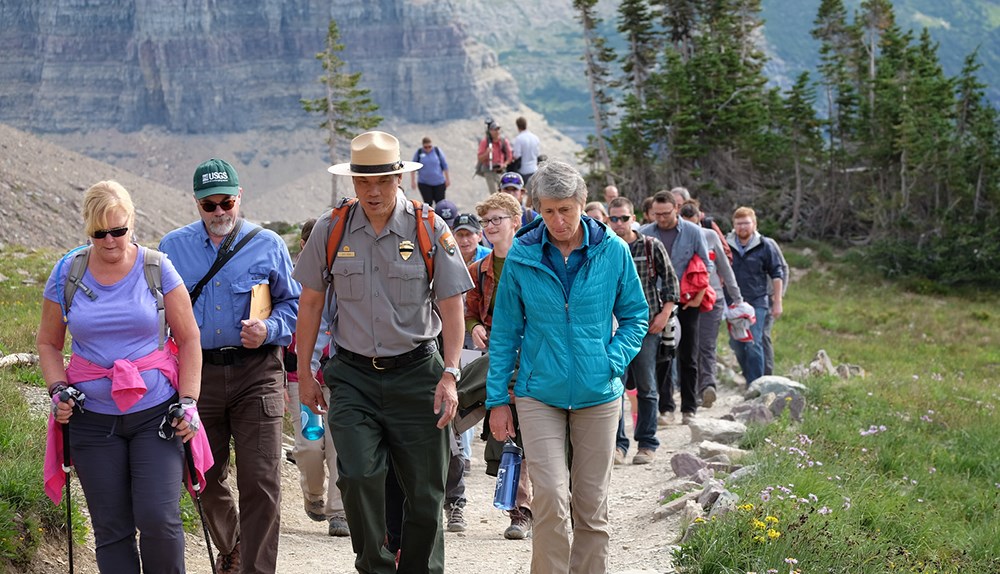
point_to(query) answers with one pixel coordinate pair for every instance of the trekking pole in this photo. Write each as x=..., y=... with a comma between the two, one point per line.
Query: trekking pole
x=67, y=467
x=196, y=486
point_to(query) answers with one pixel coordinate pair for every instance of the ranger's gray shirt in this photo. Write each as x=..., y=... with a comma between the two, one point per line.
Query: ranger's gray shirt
x=384, y=302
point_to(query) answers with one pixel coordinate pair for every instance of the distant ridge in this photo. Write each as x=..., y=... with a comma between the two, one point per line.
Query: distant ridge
x=41, y=192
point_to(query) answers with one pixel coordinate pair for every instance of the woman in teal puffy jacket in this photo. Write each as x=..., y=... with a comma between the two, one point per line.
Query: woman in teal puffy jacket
x=570, y=302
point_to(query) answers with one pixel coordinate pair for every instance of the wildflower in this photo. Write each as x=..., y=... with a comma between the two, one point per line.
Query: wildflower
x=770, y=519
x=758, y=525
x=791, y=561
x=747, y=506
x=847, y=503
x=772, y=571
x=700, y=520
x=932, y=470
x=825, y=510
x=773, y=534
x=765, y=496
x=813, y=497
x=759, y=538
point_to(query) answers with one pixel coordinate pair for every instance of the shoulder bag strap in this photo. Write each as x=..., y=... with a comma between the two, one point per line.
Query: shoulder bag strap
x=223, y=257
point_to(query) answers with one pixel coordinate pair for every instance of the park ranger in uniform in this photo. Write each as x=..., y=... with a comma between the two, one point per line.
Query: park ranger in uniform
x=390, y=392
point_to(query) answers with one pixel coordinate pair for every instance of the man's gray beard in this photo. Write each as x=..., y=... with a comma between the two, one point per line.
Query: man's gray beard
x=222, y=227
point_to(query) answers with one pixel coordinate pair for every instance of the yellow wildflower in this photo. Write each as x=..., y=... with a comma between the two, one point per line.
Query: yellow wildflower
x=773, y=534
x=758, y=525
x=771, y=519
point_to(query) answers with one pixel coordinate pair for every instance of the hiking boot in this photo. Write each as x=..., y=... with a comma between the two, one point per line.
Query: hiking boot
x=338, y=526
x=619, y=457
x=665, y=419
x=644, y=456
x=708, y=397
x=520, y=524
x=686, y=418
x=314, y=510
x=228, y=562
x=456, y=517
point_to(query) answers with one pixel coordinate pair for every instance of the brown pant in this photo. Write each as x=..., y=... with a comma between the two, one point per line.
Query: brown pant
x=245, y=402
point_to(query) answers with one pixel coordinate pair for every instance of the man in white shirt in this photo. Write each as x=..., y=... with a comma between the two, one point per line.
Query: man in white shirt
x=525, y=149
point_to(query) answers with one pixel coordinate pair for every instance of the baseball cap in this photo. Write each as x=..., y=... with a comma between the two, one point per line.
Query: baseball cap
x=447, y=211
x=468, y=222
x=213, y=177
x=511, y=179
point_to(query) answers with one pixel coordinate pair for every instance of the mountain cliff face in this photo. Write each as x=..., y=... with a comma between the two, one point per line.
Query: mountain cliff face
x=211, y=66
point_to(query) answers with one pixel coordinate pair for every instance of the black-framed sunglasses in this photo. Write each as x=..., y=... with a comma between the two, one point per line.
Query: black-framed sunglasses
x=617, y=218
x=226, y=204
x=116, y=232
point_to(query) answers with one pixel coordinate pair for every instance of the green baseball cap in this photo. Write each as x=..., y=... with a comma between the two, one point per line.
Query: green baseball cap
x=213, y=177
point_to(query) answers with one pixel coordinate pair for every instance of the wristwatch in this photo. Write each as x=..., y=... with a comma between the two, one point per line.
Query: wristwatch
x=457, y=373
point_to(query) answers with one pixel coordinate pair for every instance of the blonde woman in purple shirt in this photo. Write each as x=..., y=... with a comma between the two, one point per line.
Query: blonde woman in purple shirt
x=130, y=474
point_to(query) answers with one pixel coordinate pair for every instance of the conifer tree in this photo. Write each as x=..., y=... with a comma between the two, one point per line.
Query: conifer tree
x=347, y=109
x=597, y=56
x=631, y=145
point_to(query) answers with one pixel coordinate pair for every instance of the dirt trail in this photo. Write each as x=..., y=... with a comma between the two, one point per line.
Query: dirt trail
x=638, y=544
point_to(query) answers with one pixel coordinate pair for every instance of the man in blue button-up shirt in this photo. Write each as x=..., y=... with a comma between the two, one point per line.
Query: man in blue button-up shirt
x=242, y=375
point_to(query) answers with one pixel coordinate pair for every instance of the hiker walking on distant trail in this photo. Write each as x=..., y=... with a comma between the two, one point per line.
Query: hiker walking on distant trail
x=524, y=150
x=398, y=278
x=564, y=279
x=755, y=264
x=238, y=270
x=432, y=179
x=493, y=155
x=126, y=449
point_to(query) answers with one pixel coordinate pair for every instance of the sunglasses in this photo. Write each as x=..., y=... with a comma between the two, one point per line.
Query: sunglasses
x=617, y=218
x=226, y=204
x=116, y=232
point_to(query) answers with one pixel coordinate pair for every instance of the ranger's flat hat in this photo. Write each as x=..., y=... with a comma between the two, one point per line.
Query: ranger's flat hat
x=374, y=153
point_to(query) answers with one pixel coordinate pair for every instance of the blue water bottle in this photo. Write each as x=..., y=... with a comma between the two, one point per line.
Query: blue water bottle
x=312, y=423
x=508, y=475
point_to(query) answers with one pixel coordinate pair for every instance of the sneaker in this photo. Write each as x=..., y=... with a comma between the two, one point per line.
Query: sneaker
x=619, y=457
x=665, y=419
x=338, y=526
x=708, y=397
x=456, y=517
x=520, y=524
x=686, y=418
x=644, y=456
x=314, y=510
x=228, y=562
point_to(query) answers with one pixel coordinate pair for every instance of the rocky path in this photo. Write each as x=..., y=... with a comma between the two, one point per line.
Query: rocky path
x=639, y=544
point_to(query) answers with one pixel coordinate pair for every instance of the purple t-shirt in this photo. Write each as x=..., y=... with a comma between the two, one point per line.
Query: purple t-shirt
x=121, y=323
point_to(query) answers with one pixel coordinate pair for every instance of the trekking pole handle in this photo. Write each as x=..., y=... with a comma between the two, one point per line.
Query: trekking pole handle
x=192, y=472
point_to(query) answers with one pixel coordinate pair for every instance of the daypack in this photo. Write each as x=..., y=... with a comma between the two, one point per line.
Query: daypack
x=425, y=232
x=436, y=152
x=151, y=269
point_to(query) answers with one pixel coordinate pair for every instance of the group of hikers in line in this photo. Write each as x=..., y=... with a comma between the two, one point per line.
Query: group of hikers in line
x=568, y=309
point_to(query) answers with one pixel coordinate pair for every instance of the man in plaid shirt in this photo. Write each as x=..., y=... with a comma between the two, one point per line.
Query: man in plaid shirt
x=659, y=284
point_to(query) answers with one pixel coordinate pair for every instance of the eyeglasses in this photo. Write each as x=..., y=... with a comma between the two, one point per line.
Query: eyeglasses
x=116, y=232
x=226, y=204
x=495, y=220
x=617, y=218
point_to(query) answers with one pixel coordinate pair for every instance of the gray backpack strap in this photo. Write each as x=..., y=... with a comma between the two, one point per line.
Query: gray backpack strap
x=153, y=271
x=74, y=280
